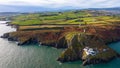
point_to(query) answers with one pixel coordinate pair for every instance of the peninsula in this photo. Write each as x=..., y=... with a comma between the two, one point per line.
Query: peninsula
x=85, y=34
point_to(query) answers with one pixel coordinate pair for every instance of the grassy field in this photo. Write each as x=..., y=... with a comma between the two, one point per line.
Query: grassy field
x=51, y=20
x=70, y=17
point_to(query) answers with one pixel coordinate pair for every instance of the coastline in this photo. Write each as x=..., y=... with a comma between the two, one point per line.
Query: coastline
x=71, y=40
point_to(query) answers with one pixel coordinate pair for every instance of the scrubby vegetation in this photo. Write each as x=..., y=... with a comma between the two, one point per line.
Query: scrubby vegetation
x=73, y=30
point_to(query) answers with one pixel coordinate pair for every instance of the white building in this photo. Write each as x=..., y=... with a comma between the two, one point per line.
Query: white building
x=90, y=51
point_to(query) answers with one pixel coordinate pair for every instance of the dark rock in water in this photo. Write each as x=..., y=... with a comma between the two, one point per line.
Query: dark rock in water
x=20, y=44
x=33, y=40
x=93, y=61
x=29, y=41
x=89, y=61
x=119, y=55
x=48, y=44
x=12, y=39
x=6, y=35
x=85, y=63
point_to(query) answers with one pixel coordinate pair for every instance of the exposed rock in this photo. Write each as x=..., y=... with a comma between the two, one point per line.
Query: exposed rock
x=29, y=41
x=75, y=50
x=89, y=61
x=93, y=61
x=12, y=39
x=62, y=43
x=6, y=35
x=74, y=40
x=68, y=55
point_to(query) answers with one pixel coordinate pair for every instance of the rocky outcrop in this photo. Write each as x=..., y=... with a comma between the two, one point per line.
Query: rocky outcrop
x=6, y=35
x=92, y=61
x=89, y=61
x=68, y=55
x=74, y=39
x=61, y=43
x=29, y=41
x=75, y=50
x=46, y=39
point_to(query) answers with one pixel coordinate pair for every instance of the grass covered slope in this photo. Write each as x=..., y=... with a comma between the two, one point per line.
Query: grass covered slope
x=68, y=17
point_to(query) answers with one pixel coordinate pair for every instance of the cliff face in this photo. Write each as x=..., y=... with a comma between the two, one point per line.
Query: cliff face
x=46, y=38
x=74, y=39
x=79, y=42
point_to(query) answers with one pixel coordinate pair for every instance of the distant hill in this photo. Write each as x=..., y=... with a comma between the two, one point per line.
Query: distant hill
x=9, y=14
x=12, y=8
x=6, y=10
x=115, y=10
x=9, y=8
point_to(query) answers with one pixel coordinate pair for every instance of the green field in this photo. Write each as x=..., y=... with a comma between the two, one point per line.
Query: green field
x=50, y=18
x=68, y=17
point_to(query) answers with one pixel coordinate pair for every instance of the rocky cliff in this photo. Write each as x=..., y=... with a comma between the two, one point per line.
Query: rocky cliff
x=74, y=39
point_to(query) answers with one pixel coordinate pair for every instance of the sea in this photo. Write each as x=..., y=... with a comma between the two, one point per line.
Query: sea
x=36, y=56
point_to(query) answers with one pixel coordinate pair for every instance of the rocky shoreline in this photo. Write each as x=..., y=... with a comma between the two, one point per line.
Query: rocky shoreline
x=74, y=39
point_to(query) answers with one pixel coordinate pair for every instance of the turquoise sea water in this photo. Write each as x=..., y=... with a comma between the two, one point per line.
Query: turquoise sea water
x=34, y=56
